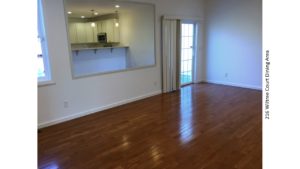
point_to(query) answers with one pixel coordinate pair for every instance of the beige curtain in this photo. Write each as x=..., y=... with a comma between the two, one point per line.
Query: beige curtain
x=171, y=54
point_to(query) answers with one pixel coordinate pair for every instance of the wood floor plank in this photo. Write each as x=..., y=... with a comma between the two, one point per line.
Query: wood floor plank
x=202, y=126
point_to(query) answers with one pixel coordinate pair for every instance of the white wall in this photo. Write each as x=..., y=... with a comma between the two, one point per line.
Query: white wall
x=234, y=42
x=137, y=33
x=90, y=94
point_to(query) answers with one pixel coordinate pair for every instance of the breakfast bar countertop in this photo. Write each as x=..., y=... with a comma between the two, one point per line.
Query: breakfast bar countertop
x=97, y=47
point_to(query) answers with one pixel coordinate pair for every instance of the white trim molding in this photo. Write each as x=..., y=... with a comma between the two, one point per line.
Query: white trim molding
x=255, y=87
x=46, y=83
x=96, y=110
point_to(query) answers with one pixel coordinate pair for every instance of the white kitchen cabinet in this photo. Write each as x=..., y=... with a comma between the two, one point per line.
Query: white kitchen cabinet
x=116, y=32
x=81, y=32
x=85, y=33
x=109, y=29
x=107, y=26
x=99, y=26
x=95, y=32
x=72, y=32
x=91, y=32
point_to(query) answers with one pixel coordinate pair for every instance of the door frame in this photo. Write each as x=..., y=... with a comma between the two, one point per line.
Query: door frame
x=195, y=45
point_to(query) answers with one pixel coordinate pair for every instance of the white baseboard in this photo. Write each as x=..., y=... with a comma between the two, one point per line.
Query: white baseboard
x=95, y=110
x=235, y=84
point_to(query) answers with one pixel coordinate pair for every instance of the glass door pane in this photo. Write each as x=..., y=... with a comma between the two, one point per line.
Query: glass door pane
x=187, y=52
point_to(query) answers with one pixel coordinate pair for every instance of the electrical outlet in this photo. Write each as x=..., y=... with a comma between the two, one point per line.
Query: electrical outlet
x=155, y=83
x=66, y=104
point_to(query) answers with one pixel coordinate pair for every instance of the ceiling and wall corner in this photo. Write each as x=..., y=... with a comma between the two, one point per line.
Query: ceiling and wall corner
x=70, y=98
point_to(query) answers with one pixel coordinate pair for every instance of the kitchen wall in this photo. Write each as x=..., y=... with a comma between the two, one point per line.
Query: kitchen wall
x=87, y=62
x=136, y=31
x=90, y=94
x=234, y=42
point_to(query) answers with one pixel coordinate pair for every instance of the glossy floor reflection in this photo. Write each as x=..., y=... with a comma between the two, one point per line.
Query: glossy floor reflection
x=186, y=114
x=203, y=126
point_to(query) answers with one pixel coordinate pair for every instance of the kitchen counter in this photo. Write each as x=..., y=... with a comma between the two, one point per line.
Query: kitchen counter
x=96, y=48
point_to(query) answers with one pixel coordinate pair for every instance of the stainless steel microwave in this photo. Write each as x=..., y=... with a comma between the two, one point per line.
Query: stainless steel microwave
x=102, y=37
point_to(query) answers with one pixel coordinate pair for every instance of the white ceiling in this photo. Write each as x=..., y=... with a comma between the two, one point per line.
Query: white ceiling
x=84, y=7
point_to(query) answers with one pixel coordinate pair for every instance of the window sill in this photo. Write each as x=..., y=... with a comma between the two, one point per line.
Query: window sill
x=46, y=83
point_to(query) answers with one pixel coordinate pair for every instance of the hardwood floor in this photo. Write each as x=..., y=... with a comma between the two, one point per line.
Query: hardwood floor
x=203, y=126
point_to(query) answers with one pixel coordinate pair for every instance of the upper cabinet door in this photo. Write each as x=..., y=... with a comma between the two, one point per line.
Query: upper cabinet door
x=99, y=26
x=104, y=28
x=111, y=26
x=108, y=28
x=91, y=32
x=95, y=32
x=73, y=32
x=116, y=33
x=81, y=32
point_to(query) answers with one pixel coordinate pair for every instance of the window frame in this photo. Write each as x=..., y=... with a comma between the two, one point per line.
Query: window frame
x=42, y=36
